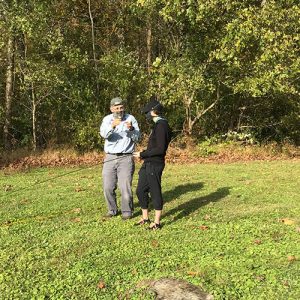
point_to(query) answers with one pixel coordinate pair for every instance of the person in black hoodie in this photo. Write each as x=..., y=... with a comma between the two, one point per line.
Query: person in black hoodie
x=149, y=181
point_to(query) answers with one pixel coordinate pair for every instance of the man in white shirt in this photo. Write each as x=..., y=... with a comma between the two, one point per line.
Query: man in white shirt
x=120, y=131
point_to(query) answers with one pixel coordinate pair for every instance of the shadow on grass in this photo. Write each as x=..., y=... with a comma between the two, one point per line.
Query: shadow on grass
x=194, y=204
x=175, y=193
x=181, y=189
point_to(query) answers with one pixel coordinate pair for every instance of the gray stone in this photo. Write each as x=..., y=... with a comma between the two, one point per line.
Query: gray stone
x=177, y=289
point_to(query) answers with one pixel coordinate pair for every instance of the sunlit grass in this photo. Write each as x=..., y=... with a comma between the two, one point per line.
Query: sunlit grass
x=232, y=229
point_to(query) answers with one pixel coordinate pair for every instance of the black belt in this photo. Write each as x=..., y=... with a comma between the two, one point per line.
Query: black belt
x=120, y=154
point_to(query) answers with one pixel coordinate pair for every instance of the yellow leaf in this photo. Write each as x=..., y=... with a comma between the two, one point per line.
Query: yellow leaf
x=287, y=221
x=101, y=285
x=291, y=258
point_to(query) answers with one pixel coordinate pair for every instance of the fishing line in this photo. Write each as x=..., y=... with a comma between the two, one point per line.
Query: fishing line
x=58, y=176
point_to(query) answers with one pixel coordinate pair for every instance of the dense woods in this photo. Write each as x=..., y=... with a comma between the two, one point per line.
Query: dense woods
x=220, y=67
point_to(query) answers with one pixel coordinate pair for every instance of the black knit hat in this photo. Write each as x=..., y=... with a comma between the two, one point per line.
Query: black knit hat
x=152, y=105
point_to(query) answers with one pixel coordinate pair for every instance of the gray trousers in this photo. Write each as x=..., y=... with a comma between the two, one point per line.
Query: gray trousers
x=118, y=171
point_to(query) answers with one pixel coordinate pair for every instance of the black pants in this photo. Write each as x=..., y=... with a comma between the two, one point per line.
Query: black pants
x=150, y=182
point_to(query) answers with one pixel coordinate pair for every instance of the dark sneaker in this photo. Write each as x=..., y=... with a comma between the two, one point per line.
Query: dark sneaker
x=154, y=226
x=108, y=216
x=142, y=222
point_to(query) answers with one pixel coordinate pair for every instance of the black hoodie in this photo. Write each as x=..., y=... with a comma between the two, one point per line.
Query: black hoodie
x=158, y=143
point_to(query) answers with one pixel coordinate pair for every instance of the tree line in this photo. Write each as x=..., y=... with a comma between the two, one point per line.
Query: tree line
x=218, y=66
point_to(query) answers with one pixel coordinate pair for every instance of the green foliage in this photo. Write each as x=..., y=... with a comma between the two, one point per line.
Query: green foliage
x=244, y=137
x=262, y=46
x=86, y=138
x=206, y=148
x=180, y=83
x=218, y=65
x=231, y=229
x=121, y=75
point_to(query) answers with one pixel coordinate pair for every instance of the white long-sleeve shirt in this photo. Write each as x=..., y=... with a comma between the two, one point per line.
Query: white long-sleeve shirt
x=119, y=139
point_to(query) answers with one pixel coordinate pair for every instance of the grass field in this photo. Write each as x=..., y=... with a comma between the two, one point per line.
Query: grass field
x=232, y=229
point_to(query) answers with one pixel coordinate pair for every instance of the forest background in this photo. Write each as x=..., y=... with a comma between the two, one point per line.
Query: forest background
x=224, y=69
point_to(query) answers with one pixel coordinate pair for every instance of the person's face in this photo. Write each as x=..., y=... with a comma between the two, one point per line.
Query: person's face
x=117, y=109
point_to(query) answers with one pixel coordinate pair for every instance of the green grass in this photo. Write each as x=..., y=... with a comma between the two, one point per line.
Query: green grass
x=222, y=232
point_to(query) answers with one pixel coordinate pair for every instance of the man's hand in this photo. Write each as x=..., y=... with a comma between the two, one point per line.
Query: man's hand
x=129, y=125
x=136, y=154
x=115, y=123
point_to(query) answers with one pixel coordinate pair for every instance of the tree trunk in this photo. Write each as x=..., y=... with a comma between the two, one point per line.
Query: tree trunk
x=188, y=116
x=34, y=144
x=8, y=93
x=149, y=46
x=93, y=46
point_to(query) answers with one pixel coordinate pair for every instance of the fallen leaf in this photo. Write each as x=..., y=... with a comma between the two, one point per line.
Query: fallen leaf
x=101, y=285
x=7, y=187
x=40, y=218
x=258, y=242
x=155, y=243
x=79, y=189
x=260, y=277
x=134, y=272
x=193, y=273
x=287, y=221
x=23, y=201
x=298, y=229
x=76, y=220
x=76, y=210
x=286, y=283
x=203, y=227
x=207, y=217
x=291, y=258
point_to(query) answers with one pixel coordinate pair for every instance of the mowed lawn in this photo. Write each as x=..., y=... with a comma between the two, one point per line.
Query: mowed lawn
x=232, y=229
